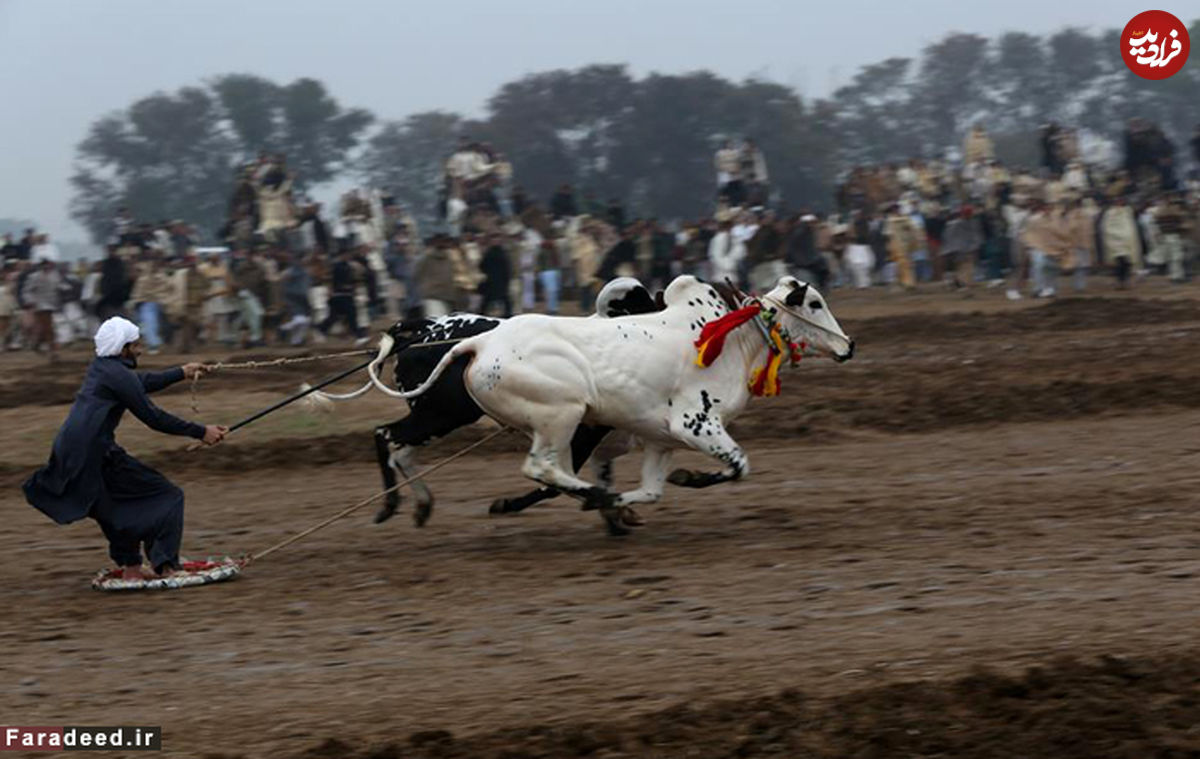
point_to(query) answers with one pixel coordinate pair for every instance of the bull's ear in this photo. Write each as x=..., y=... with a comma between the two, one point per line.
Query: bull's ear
x=795, y=298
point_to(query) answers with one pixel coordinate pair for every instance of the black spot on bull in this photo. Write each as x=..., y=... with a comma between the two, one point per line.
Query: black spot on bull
x=636, y=301
x=415, y=364
x=795, y=298
x=444, y=408
x=701, y=422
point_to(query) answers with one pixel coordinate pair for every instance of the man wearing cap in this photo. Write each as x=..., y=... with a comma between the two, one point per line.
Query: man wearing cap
x=90, y=475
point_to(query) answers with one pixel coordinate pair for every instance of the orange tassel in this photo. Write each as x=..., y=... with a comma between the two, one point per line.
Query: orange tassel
x=765, y=381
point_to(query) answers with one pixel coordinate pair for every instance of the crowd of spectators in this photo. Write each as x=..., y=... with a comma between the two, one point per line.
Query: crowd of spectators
x=980, y=219
x=285, y=272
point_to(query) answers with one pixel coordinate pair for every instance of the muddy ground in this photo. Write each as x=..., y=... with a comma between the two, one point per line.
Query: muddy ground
x=979, y=538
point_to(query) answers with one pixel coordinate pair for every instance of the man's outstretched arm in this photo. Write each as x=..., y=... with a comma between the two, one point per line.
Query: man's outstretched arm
x=129, y=390
x=152, y=382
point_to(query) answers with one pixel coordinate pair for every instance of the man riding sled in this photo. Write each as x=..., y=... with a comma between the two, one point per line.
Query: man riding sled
x=90, y=475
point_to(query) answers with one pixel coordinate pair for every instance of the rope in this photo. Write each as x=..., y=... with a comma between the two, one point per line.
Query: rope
x=803, y=318
x=351, y=509
x=262, y=365
x=297, y=360
x=285, y=360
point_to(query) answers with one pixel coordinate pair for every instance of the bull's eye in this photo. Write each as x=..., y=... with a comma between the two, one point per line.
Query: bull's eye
x=816, y=305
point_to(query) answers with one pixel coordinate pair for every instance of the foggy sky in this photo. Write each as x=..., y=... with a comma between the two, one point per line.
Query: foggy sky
x=67, y=62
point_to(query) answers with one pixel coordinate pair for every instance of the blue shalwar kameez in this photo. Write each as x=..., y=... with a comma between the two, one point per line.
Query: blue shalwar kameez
x=89, y=475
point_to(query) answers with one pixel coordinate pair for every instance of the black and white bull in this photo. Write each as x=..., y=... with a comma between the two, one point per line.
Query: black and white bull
x=447, y=406
x=655, y=376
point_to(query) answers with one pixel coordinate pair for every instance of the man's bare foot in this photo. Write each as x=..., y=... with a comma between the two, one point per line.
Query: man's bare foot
x=166, y=570
x=136, y=572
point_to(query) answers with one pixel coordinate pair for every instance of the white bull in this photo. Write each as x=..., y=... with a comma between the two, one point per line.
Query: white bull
x=544, y=375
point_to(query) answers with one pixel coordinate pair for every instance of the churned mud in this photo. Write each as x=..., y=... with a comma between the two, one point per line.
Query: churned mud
x=980, y=538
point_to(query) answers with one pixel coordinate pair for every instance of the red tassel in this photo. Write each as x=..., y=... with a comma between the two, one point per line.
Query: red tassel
x=758, y=387
x=766, y=379
x=712, y=336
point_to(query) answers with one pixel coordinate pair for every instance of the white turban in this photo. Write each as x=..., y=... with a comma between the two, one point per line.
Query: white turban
x=114, y=334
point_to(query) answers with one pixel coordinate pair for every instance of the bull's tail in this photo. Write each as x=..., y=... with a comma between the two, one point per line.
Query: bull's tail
x=464, y=347
x=385, y=350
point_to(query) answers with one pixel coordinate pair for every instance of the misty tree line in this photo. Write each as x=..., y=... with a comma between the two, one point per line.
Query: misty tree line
x=647, y=141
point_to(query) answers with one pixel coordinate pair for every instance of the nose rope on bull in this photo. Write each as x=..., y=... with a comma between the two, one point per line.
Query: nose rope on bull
x=800, y=317
x=765, y=379
x=767, y=325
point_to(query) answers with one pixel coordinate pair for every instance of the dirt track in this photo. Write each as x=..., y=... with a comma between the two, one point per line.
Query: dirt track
x=988, y=485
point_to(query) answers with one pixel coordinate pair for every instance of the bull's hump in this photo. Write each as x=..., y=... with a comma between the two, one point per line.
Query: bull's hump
x=696, y=301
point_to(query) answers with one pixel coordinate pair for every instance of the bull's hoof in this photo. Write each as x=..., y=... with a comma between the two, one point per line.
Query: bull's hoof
x=613, y=521
x=684, y=478
x=597, y=498
x=422, y=512
x=386, y=512
x=499, y=506
x=630, y=518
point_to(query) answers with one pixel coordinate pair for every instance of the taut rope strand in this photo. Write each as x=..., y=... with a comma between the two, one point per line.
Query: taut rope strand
x=264, y=364
x=351, y=509
x=284, y=360
x=297, y=360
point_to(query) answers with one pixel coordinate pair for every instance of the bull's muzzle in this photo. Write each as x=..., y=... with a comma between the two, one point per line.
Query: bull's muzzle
x=849, y=354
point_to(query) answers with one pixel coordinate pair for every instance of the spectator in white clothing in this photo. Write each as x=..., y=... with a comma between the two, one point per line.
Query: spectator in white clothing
x=725, y=254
